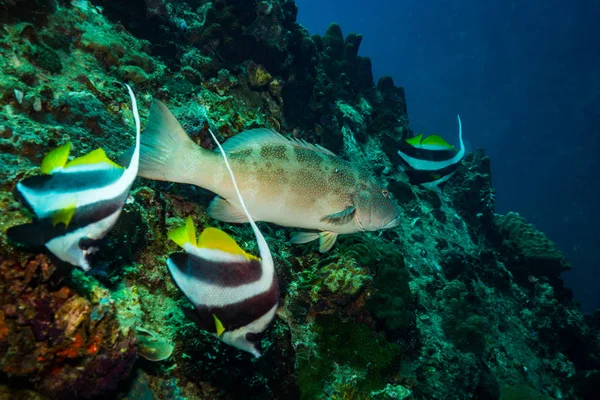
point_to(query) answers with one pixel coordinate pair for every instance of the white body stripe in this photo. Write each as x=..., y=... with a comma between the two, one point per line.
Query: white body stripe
x=46, y=203
x=67, y=248
x=206, y=294
x=213, y=254
x=432, y=147
x=237, y=337
x=425, y=165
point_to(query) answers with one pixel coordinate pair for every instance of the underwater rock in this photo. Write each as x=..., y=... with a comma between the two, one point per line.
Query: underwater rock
x=333, y=41
x=472, y=193
x=53, y=337
x=354, y=348
x=390, y=119
x=35, y=11
x=153, y=347
x=541, y=257
x=47, y=58
x=258, y=76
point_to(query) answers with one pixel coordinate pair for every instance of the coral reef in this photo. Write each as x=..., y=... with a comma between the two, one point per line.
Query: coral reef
x=541, y=256
x=66, y=345
x=456, y=302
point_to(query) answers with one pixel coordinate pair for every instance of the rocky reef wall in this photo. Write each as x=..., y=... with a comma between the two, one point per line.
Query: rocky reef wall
x=456, y=302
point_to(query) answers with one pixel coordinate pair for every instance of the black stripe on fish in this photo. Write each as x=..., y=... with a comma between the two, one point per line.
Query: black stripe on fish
x=70, y=182
x=43, y=229
x=33, y=234
x=94, y=212
x=224, y=274
x=417, y=177
x=236, y=315
x=429, y=155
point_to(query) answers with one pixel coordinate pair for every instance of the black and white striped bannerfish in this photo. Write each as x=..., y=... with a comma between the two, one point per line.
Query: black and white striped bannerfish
x=76, y=202
x=235, y=294
x=431, y=160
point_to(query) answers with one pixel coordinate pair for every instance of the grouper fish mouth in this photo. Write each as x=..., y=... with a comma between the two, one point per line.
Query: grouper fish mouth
x=288, y=182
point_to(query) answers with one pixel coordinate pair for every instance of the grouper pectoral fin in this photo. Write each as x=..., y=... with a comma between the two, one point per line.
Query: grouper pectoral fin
x=304, y=237
x=224, y=211
x=326, y=239
x=340, y=218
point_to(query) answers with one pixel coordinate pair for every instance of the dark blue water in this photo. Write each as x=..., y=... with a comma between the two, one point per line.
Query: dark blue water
x=525, y=78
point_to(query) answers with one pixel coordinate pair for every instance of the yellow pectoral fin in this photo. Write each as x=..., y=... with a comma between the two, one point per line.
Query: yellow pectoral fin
x=213, y=238
x=219, y=326
x=57, y=158
x=436, y=140
x=64, y=215
x=184, y=234
x=94, y=157
x=415, y=141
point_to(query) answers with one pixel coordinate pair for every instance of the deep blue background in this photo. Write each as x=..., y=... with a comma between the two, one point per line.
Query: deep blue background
x=525, y=78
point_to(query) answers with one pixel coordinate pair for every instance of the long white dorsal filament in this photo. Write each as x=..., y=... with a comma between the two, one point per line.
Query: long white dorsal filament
x=265, y=253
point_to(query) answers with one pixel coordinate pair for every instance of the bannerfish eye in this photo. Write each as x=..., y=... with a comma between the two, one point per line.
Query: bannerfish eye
x=385, y=193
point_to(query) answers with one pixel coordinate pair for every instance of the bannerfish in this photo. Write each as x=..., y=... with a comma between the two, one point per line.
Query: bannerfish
x=76, y=202
x=235, y=294
x=431, y=160
x=288, y=182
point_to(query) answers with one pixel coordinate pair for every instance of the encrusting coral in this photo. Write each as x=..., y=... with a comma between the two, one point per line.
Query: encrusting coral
x=66, y=345
x=541, y=256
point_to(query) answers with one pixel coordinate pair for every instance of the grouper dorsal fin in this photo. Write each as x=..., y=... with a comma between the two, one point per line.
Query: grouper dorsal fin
x=57, y=158
x=266, y=137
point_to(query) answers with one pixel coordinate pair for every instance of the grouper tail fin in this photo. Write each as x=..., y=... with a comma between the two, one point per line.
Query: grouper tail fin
x=167, y=153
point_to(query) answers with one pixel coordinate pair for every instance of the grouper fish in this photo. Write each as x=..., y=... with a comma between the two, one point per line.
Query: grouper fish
x=288, y=182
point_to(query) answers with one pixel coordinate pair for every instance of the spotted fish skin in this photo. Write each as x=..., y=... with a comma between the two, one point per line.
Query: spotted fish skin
x=296, y=186
x=284, y=181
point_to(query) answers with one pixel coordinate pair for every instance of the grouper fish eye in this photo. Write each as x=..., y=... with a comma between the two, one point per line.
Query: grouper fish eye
x=377, y=210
